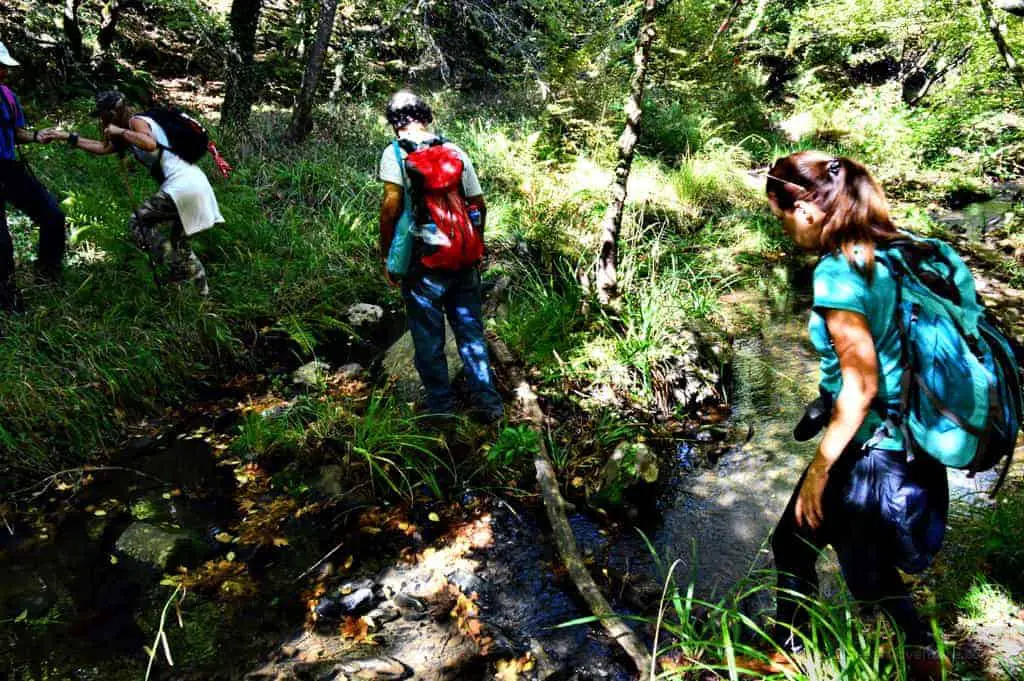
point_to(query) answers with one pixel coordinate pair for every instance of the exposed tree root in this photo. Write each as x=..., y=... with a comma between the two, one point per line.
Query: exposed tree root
x=555, y=505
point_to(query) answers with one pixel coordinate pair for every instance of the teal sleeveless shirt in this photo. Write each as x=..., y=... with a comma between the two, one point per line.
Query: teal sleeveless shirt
x=840, y=286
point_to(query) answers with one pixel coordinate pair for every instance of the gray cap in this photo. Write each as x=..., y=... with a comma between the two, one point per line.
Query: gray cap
x=5, y=57
x=107, y=100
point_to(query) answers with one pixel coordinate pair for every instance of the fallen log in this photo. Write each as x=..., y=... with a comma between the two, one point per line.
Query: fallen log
x=556, y=507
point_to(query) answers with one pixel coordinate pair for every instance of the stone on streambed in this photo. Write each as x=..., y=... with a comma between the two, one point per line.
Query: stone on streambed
x=351, y=599
x=311, y=374
x=364, y=314
x=631, y=463
x=368, y=669
x=399, y=365
x=159, y=548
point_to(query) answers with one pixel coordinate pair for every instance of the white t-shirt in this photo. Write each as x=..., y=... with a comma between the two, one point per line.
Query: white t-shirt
x=391, y=172
x=184, y=182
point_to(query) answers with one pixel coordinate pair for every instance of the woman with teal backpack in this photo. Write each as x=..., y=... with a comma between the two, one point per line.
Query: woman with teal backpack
x=880, y=508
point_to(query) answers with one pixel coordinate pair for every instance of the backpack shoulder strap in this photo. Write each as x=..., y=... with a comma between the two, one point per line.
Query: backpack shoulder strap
x=406, y=200
x=12, y=105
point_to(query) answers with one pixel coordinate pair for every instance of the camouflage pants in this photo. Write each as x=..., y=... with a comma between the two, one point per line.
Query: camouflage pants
x=174, y=253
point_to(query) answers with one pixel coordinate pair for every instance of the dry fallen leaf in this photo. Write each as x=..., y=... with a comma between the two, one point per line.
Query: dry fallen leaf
x=356, y=629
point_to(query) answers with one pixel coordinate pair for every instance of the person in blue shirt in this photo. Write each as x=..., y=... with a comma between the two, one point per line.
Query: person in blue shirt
x=879, y=511
x=23, y=191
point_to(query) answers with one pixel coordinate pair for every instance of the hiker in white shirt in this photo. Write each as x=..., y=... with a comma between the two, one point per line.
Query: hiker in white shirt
x=185, y=198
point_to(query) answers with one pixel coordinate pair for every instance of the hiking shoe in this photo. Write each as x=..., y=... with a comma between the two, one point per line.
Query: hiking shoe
x=487, y=417
x=198, y=280
x=201, y=284
x=926, y=663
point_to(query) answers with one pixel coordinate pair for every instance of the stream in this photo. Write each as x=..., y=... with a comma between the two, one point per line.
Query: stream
x=718, y=497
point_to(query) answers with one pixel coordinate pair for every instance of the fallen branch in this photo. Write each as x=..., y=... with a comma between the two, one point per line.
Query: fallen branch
x=555, y=505
x=82, y=471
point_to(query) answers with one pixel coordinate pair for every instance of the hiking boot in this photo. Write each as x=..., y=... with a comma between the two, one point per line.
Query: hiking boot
x=926, y=663
x=197, y=280
x=202, y=286
x=486, y=417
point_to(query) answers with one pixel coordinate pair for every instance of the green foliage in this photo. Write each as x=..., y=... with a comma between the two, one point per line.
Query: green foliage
x=514, y=445
x=107, y=345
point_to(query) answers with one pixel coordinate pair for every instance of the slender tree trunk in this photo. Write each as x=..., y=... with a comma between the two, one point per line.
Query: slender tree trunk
x=607, y=264
x=242, y=84
x=109, y=16
x=755, y=21
x=994, y=28
x=302, y=118
x=72, y=29
x=723, y=27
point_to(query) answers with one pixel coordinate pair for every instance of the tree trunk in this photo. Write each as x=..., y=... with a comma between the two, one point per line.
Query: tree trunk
x=994, y=28
x=302, y=118
x=72, y=30
x=606, y=276
x=242, y=85
x=109, y=16
x=755, y=21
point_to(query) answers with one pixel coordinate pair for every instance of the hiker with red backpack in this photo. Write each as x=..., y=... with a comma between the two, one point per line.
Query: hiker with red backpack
x=432, y=239
x=20, y=188
x=168, y=143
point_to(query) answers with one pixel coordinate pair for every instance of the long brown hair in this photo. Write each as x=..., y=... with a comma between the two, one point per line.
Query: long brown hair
x=856, y=211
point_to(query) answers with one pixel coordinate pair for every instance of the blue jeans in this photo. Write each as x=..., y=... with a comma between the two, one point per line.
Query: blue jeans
x=430, y=296
x=881, y=513
x=22, y=190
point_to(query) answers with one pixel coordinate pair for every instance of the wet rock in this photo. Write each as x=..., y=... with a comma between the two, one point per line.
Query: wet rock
x=159, y=548
x=332, y=481
x=311, y=374
x=337, y=605
x=963, y=196
x=369, y=669
x=363, y=314
x=630, y=464
x=25, y=595
x=690, y=377
x=148, y=508
x=350, y=370
x=398, y=365
x=466, y=582
x=500, y=644
x=411, y=608
x=381, y=615
x=277, y=411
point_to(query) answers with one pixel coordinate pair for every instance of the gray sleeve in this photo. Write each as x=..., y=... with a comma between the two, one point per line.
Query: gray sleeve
x=470, y=182
x=389, y=170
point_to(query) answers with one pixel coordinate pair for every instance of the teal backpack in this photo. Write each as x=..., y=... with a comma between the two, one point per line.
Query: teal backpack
x=400, y=252
x=961, y=400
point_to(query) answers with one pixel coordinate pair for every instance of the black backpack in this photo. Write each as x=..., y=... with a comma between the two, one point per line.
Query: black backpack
x=186, y=138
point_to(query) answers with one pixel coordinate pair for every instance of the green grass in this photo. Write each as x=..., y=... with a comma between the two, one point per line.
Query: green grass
x=107, y=347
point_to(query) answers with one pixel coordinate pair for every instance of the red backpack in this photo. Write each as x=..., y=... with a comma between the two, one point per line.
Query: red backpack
x=451, y=241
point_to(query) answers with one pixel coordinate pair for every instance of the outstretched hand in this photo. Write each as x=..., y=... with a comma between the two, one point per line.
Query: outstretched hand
x=389, y=278
x=809, y=505
x=50, y=135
